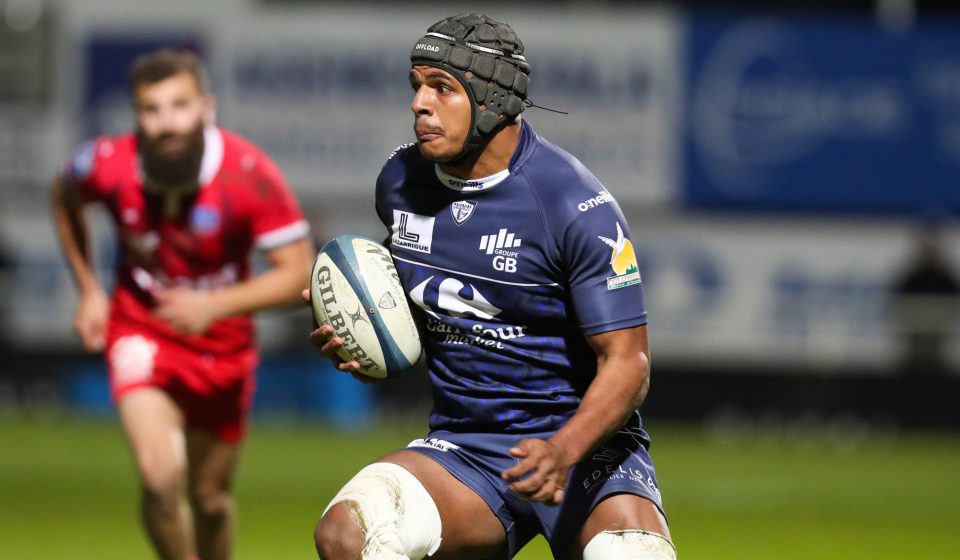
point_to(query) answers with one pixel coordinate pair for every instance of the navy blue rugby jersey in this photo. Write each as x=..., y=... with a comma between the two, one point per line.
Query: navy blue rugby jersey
x=508, y=274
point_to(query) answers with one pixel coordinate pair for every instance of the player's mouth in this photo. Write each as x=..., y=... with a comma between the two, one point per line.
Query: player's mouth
x=172, y=144
x=427, y=134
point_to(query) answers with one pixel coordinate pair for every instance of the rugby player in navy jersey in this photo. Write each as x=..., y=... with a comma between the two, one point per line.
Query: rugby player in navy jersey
x=523, y=273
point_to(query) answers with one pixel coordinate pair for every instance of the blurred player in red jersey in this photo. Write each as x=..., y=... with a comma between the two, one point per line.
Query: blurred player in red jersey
x=190, y=202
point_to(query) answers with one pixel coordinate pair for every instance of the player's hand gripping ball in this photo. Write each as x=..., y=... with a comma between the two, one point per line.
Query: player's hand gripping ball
x=355, y=289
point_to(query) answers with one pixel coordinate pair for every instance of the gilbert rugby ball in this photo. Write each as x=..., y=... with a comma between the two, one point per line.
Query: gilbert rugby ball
x=355, y=288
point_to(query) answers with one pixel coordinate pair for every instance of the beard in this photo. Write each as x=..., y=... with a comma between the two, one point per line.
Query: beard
x=172, y=158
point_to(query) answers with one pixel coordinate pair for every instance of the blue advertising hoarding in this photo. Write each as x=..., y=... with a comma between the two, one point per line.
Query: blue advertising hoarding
x=822, y=114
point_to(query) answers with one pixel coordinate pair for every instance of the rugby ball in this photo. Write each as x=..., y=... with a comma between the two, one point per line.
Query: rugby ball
x=355, y=288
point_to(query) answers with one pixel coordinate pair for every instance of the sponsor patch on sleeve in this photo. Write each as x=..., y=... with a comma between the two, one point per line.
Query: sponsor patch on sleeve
x=623, y=261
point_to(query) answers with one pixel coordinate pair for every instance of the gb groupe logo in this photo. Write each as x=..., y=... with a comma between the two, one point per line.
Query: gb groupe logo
x=499, y=244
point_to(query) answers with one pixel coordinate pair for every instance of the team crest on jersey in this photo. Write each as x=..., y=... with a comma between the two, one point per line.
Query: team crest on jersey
x=204, y=219
x=462, y=210
x=412, y=231
x=623, y=261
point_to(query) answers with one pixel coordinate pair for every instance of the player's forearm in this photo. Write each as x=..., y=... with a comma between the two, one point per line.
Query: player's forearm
x=617, y=391
x=71, y=228
x=278, y=286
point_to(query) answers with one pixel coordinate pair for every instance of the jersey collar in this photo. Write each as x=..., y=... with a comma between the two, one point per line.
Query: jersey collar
x=470, y=185
x=212, y=154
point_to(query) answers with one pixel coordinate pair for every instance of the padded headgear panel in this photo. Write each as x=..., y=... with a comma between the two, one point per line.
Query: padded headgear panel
x=492, y=54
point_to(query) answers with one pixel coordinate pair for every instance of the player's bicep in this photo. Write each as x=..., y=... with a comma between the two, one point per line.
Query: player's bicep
x=627, y=344
x=296, y=253
x=623, y=363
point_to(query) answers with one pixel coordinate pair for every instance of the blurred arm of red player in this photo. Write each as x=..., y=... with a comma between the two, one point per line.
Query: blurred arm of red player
x=193, y=311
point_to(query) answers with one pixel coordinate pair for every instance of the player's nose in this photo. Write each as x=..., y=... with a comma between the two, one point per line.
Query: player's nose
x=165, y=120
x=420, y=105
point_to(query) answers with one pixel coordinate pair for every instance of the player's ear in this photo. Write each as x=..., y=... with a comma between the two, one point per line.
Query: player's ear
x=210, y=109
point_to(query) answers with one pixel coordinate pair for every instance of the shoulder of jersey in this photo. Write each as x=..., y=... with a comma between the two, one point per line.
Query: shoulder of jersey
x=403, y=151
x=99, y=152
x=551, y=167
x=236, y=146
x=233, y=140
x=399, y=165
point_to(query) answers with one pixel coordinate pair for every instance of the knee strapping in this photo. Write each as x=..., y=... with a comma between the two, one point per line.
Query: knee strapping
x=629, y=545
x=396, y=513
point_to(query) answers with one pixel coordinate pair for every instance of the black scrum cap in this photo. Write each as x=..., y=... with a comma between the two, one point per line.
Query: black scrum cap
x=492, y=54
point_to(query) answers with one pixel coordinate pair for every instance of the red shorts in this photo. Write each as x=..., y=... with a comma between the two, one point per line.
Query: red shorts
x=214, y=392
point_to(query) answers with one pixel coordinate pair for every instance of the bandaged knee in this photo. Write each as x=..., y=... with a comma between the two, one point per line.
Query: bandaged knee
x=629, y=545
x=398, y=517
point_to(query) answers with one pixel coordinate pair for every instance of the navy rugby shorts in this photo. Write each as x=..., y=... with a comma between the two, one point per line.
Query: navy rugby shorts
x=620, y=466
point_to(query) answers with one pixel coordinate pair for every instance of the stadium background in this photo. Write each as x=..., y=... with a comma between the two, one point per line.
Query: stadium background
x=777, y=165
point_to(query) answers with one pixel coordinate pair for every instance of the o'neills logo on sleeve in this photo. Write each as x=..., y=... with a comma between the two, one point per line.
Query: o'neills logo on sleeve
x=623, y=261
x=412, y=231
x=602, y=197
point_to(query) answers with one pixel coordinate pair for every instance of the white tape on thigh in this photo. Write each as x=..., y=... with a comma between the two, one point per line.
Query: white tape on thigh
x=398, y=517
x=629, y=545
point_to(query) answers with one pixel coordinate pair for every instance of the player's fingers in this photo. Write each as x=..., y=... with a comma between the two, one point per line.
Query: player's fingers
x=532, y=454
x=518, y=452
x=550, y=490
x=317, y=338
x=321, y=336
x=349, y=366
x=542, y=472
x=305, y=295
x=94, y=342
x=92, y=337
x=530, y=482
x=521, y=469
x=544, y=493
x=557, y=497
x=331, y=347
x=527, y=487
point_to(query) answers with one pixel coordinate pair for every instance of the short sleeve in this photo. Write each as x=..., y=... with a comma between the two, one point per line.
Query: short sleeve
x=276, y=217
x=602, y=273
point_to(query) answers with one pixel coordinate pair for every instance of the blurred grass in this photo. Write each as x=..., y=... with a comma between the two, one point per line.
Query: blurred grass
x=67, y=490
